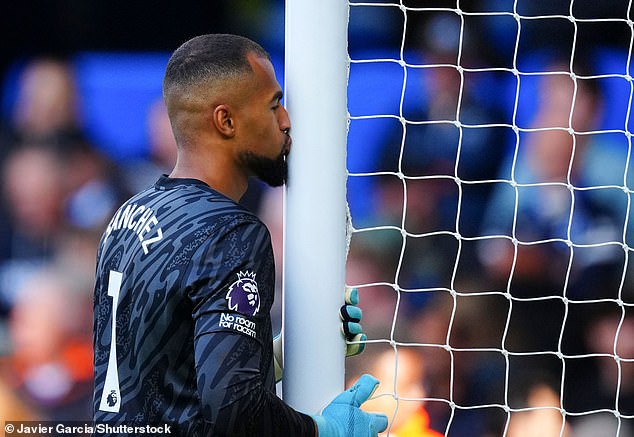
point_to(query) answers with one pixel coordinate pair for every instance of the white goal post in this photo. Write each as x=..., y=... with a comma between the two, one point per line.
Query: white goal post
x=316, y=63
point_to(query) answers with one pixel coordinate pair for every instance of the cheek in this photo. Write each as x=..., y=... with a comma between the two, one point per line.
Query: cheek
x=260, y=123
x=270, y=132
x=262, y=134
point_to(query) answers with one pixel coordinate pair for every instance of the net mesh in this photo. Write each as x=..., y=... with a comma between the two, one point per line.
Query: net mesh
x=490, y=184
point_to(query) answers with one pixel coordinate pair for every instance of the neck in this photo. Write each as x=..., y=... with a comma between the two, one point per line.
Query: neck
x=217, y=172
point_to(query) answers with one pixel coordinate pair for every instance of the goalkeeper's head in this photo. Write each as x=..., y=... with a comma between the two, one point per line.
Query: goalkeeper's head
x=223, y=101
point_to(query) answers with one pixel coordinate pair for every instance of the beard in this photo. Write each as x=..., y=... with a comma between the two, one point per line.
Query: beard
x=273, y=172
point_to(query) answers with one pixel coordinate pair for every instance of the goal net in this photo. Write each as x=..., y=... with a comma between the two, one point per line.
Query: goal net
x=490, y=184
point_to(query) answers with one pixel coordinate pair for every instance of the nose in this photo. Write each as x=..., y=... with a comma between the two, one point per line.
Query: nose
x=284, y=121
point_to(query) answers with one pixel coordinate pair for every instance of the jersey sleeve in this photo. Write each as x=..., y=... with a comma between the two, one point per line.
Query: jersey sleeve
x=231, y=281
x=232, y=288
x=233, y=395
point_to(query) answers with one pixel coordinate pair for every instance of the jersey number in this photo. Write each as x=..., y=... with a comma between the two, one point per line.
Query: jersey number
x=111, y=397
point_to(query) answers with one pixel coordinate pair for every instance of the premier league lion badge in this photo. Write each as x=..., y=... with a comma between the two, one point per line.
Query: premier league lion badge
x=243, y=295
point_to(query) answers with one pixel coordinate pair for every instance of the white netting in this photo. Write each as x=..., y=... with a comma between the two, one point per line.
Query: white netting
x=490, y=185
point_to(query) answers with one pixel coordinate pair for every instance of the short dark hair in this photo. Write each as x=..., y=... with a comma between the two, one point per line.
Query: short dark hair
x=212, y=56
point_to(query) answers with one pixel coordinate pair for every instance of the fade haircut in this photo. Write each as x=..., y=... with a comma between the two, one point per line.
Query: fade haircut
x=212, y=57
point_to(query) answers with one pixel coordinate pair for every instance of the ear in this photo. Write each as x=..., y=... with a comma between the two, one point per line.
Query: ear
x=223, y=120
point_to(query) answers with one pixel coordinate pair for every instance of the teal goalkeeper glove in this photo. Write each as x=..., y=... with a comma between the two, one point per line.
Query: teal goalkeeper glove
x=350, y=315
x=343, y=417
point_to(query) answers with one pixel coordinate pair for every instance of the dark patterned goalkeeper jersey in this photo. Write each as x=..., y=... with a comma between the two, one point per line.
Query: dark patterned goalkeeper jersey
x=182, y=330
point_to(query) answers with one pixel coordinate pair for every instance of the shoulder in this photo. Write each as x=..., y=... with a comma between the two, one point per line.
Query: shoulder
x=192, y=204
x=179, y=215
x=233, y=239
x=239, y=230
x=192, y=195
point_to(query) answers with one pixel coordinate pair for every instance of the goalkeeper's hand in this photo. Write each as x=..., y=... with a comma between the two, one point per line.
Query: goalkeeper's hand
x=343, y=417
x=351, y=328
x=350, y=315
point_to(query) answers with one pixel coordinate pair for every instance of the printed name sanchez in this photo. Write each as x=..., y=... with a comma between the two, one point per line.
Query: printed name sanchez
x=137, y=218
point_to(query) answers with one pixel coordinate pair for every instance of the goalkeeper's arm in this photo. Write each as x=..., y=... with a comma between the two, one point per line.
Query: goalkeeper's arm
x=237, y=404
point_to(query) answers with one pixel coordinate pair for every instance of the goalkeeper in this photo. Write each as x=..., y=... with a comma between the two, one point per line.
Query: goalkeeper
x=185, y=275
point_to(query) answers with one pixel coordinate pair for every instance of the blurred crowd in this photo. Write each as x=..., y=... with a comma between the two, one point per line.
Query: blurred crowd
x=493, y=239
x=506, y=301
x=58, y=190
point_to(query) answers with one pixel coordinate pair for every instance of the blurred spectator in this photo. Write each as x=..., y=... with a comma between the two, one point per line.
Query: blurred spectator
x=46, y=106
x=33, y=188
x=93, y=185
x=139, y=174
x=33, y=183
x=448, y=136
x=558, y=155
x=548, y=158
x=607, y=372
x=51, y=365
x=473, y=373
x=48, y=189
x=53, y=179
x=76, y=249
x=401, y=393
x=541, y=414
x=163, y=144
x=439, y=137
